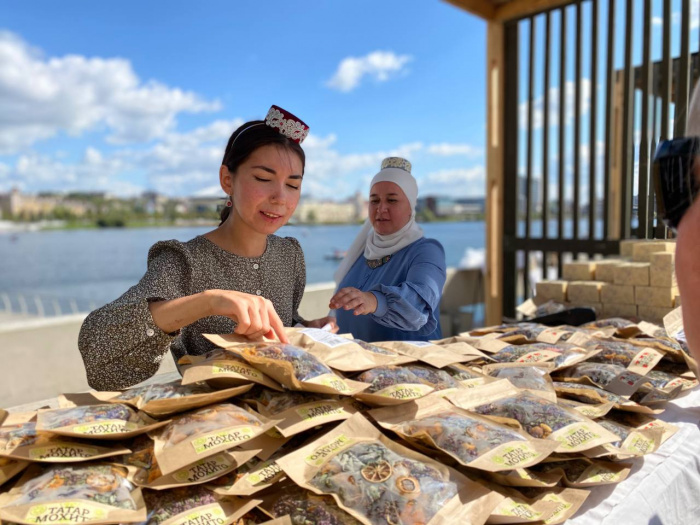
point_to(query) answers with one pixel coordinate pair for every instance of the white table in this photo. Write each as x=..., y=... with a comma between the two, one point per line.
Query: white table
x=664, y=487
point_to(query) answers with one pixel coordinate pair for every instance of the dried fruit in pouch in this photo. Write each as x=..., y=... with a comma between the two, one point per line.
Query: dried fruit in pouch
x=204, y=432
x=597, y=396
x=381, y=482
x=581, y=473
x=534, y=379
x=613, y=378
x=633, y=442
x=145, y=471
x=435, y=377
x=89, y=493
x=160, y=400
x=24, y=442
x=391, y=385
x=193, y=505
x=637, y=359
x=305, y=507
x=472, y=440
x=301, y=411
x=539, y=417
x=222, y=369
x=297, y=369
x=105, y=421
x=344, y=353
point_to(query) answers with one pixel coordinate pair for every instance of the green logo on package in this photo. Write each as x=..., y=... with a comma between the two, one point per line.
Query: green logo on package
x=515, y=455
x=222, y=438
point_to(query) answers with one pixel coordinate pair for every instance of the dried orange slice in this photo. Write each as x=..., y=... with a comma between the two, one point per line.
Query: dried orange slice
x=377, y=472
x=408, y=485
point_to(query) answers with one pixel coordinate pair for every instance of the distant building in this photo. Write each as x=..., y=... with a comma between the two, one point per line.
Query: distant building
x=14, y=205
x=353, y=209
x=445, y=207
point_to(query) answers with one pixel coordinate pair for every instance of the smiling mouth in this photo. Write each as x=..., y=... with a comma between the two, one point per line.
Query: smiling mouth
x=270, y=215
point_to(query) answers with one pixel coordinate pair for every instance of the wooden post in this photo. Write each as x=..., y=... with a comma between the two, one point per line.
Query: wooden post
x=494, y=173
x=615, y=190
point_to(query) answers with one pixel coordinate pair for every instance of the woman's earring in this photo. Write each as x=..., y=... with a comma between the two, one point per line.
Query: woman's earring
x=229, y=202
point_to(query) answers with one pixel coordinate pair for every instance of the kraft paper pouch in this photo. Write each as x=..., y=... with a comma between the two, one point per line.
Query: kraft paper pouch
x=432, y=354
x=632, y=442
x=613, y=378
x=582, y=473
x=532, y=379
x=88, y=493
x=253, y=477
x=3, y=415
x=292, y=367
x=379, y=481
x=344, y=353
x=107, y=421
x=194, y=505
x=439, y=379
x=597, y=396
x=488, y=343
x=669, y=382
x=391, y=385
x=204, y=432
x=265, y=445
x=539, y=418
x=650, y=396
x=567, y=500
x=304, y=507
x=301, y=411
x=560, y=354
x=24, y=442
x=516, y=508
x=9, y=468
x=590, y=411
x=472, y=440
x=468, y=377
x=643, y=422
x=222, y=369
x=636, y=359
x=145, y=472
x=671, y=349
x=673, y=323
x=522, y=477
x=611, y=322
x=170, y=398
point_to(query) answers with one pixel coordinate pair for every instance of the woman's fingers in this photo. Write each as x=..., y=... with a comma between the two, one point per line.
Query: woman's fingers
x=242, y=320
x=276, y=325
x=353, y=303
x=341, y=297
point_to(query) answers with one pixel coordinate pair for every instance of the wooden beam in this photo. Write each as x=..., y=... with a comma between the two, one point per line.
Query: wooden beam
x=494, y=172
x=522, y=8
x=481, y=8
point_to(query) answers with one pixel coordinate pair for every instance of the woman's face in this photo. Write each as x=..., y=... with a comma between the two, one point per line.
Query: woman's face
x=265, y=188
x=389, y=208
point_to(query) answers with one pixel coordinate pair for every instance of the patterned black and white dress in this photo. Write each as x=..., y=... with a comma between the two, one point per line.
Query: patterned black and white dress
x=121, y=345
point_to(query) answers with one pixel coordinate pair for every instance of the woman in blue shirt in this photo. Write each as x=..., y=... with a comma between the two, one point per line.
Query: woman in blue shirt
x=390, y=281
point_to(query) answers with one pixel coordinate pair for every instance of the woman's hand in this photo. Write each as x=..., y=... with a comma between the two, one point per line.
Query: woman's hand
x=362, y=303
x=323, y=321
x=255, y=316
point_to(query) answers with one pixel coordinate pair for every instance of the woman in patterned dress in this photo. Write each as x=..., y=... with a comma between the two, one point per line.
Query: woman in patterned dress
x=237, y=278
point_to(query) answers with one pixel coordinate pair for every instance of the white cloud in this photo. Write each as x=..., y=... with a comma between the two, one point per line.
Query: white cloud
x=460, y=182
x=569, y=97
x=43, y=96
x=448, y=150
x=657, y=21
x=378, y=65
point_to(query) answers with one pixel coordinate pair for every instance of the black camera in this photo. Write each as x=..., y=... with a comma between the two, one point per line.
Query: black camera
x=674, y=178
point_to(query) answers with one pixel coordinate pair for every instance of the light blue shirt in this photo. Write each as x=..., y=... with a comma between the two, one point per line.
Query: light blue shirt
x=408, y=290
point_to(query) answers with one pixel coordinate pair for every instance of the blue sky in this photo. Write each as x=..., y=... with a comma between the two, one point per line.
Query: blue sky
x=132, y=96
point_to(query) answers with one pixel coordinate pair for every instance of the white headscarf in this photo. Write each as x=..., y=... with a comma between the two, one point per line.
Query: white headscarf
x=370, y=243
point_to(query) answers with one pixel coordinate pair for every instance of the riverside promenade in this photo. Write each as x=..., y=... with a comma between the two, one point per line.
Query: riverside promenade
x=40, y=357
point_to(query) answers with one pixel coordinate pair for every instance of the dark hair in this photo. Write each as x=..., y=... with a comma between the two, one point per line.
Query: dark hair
x=249, y=137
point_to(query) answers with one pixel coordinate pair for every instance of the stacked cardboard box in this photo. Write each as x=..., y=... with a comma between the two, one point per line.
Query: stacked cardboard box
x=641, y=283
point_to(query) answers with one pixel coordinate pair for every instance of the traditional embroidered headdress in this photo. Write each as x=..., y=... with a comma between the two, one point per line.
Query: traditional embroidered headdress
x=283, y=121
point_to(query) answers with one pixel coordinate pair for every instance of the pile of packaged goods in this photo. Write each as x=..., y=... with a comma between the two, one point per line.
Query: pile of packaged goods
x=508, y=424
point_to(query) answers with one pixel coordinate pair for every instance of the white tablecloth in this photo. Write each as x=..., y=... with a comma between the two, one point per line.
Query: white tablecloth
x=663, y=488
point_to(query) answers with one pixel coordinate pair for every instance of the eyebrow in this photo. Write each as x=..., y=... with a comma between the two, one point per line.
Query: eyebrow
x=377, y=195
x=273, y=172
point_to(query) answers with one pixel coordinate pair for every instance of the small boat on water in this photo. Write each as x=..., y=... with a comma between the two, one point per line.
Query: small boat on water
x=337, y=255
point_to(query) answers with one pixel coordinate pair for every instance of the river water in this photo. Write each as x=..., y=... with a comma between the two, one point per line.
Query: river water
x=83, y=269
